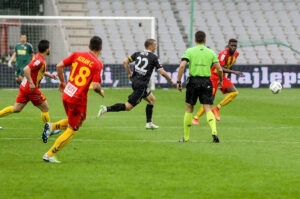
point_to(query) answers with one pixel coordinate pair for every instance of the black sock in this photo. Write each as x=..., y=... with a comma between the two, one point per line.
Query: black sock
x=149, y=111
x=116, y=108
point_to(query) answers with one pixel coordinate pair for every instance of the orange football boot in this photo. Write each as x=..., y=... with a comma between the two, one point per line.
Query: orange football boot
x=195, y=121
x=215, y=111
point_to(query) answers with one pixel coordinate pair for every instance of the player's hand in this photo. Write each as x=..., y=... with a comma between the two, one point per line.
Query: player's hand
x=173, y=83
x=179, y=86
x=53, y=76
x=9, y=64
x=62, y=86
x=32, y=86
x=130, y=76
x=102, y=93
x=220, y=84
x=238, y=73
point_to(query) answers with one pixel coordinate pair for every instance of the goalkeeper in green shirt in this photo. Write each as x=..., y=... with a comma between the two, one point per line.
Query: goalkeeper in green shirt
x=199, y=86
x=23, y=53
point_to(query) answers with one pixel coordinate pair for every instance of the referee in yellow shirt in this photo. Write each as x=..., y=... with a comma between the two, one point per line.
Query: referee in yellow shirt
x=199, y=86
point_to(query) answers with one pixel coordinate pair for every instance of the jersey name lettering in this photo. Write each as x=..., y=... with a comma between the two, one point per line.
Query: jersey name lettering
x=85, y=61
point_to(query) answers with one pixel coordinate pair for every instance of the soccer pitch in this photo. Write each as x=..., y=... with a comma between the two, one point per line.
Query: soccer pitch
x=115, y=157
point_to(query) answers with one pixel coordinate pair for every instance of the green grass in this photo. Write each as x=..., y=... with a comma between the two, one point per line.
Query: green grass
x=115, y=157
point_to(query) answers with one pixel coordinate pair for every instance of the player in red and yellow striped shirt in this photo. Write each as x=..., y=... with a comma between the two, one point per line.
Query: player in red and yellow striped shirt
x=85, y=69
x=29, y=88
x=227, y=58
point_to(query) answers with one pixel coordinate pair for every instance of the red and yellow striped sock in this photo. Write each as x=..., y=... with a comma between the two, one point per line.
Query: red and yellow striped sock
x=45, y=117
x=6, y=111
x=61, y=142
x=227, y=99
x=60, y=125
x=199, y=113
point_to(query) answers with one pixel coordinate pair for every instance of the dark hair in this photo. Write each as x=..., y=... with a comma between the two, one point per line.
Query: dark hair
x=149, y=42
x=232, y=40
x=43, y=45
x=200, y=36
x=95, y=43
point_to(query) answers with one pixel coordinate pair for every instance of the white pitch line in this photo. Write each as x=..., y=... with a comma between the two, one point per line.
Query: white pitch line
x=162, y=127
x=162, y=141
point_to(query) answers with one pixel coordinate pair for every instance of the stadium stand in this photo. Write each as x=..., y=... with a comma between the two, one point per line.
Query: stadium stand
x=270, y=28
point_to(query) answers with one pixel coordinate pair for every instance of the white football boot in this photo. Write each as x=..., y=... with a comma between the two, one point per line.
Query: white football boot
x=101, y=111
x=151, y=126
x=50, y=159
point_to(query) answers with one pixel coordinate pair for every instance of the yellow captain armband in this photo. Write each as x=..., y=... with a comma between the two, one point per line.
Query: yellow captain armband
x=130, y=59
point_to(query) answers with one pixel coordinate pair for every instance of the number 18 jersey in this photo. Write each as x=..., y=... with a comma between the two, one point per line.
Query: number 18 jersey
x=85, y=68
x=145, y=62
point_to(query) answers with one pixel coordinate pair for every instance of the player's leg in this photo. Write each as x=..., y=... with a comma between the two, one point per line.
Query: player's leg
x=21, y=73
x=20, y=103
x=232, y=93
x=191, y=98
x=60, y=125
x=76, y=116
x=187, y=122
x=6, y=111
x=207, y=99
x=44, y=107
x=18, y=74
x=59, y=144
x=198, y=115
x=228, y=87
x=214, y=80
x=150, y=98
x=133, y=99
x=39, y=100
x=12, y=109
x=211, y=120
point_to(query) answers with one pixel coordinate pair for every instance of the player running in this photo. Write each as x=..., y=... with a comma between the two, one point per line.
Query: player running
x=199, y=86
x=29, y=88
x=145, y=62
x=23, y=53
x=227, y=58
x=85, y=68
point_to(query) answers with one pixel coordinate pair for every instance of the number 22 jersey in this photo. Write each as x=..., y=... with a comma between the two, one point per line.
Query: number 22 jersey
x=85, y=68
x=145, y=62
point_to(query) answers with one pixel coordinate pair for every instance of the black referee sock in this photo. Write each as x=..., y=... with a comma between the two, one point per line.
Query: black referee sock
x=116, y=108
x=149, y=111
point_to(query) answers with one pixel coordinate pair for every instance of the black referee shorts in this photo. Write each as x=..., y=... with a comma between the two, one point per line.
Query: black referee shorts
x=140, y=91
x=199, y=88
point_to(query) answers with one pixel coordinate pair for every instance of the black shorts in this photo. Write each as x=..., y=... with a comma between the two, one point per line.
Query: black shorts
x=199, y=88
x=140, y=91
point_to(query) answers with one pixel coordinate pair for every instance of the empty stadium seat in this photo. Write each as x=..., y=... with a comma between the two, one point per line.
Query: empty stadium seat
x=253, y=21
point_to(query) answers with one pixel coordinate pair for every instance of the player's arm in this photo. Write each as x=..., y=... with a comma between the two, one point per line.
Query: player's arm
x=50, y=75
x=180, y=73
x=97, y=88
x=226, y=70
x=220, y=73
x=12, y=59
x=27, y=72
x=60, y=70
x=127, y=67
x=163, y=73
x=60, y=73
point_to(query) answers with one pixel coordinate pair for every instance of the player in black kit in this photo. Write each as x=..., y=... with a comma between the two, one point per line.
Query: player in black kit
x=144, y=64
